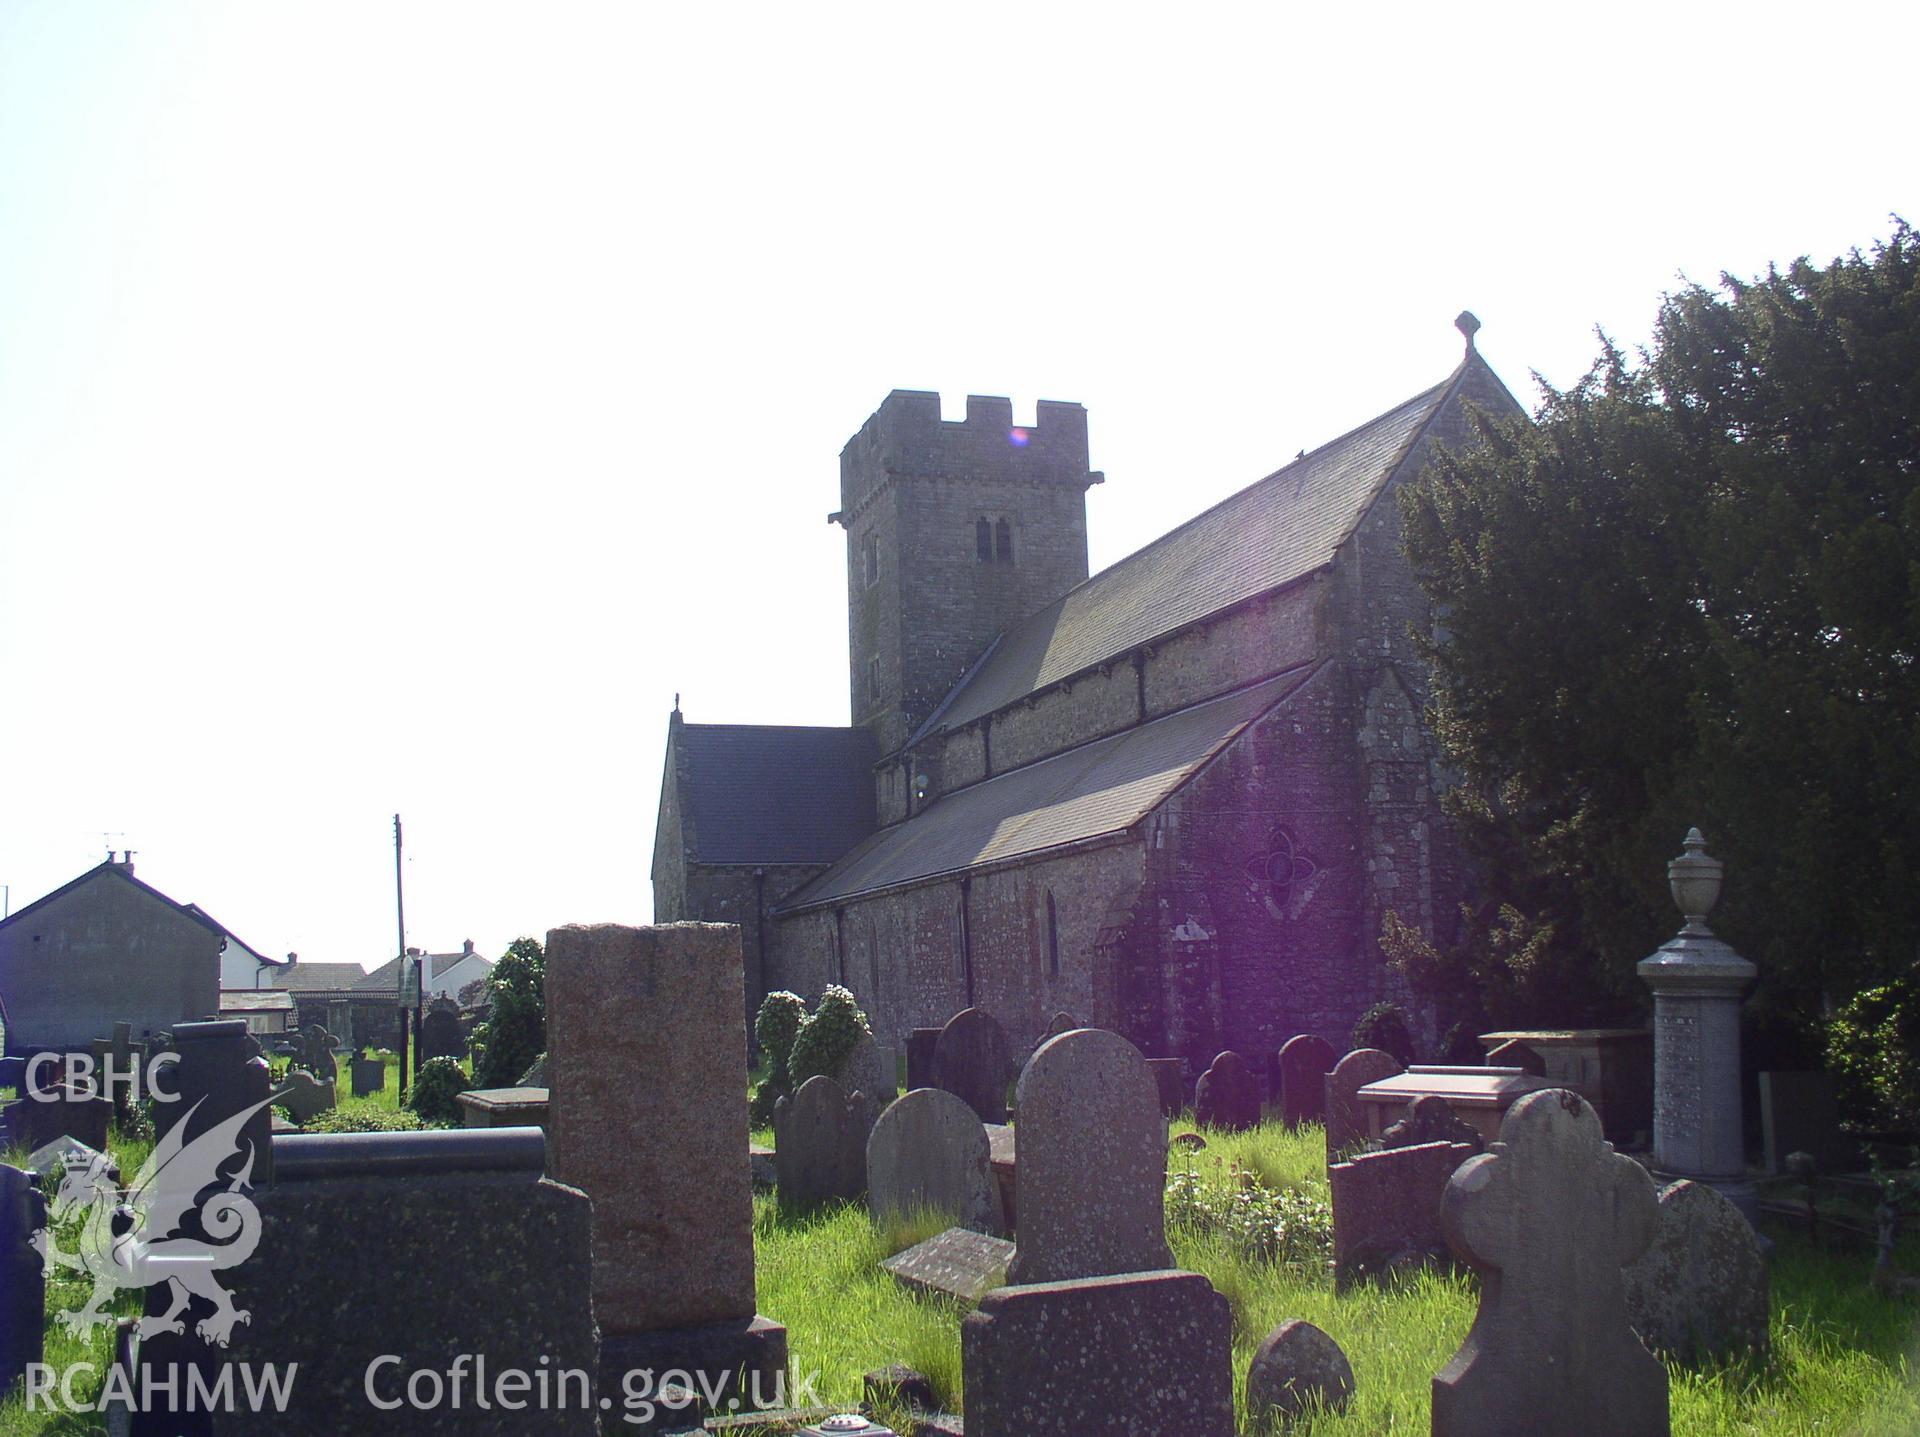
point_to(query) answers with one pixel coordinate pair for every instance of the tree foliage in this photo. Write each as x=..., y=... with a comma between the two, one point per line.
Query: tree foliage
x=1690, y=594
x=515, y=1032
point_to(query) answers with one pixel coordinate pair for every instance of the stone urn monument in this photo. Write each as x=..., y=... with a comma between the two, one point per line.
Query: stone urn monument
x=1698, y=982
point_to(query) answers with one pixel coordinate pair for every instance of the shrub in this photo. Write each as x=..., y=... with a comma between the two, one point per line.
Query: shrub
x=439, y=1082
x=1873, y=1051
x=1272, y=1225
x=774, y=1028
x=515, y=1032
x=366, y=1119
x=827, y=1037
x=1384, y=1026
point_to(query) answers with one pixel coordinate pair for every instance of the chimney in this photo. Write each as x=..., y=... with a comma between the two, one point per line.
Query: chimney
x=292, y=958
x=467, y=949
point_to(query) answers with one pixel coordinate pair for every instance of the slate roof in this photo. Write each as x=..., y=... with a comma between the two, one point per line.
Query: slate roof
x=761, y=794
x=1276, y=530
x=305, y=977
x=124, y=871
x=386, y=978
x=1099, y=788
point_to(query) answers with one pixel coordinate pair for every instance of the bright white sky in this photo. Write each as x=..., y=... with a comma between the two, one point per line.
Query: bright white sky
x=400, y=402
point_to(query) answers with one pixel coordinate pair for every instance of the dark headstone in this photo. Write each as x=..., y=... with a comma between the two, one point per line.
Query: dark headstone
x=1093, y=1162
x=305, y=1096
x=536, y=1074
x=1549, y=1219
x=317, y=1047
x=1227, y=1095
x=928, y=1152
x=1800, y=1114
x=23, y=1289
x=1298, y=1367
x=13, y=1072
x=958, y=1263
x=1171, y=1084
x=1305, y=1061
x=820, y=1143
x=369, y=1076
x=440, y=1035
x=1061, y=1022
x=921, y=1046
x=50, y=1110
x=1143, y=1352
x=1699, y=1293
x=1346, y=1114
x=1386, y=1208
x=973, y=1061
x=439, y=1199
x=1430, y=1119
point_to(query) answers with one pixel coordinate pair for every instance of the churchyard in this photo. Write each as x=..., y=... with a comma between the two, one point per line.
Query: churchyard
x=1068, y=1252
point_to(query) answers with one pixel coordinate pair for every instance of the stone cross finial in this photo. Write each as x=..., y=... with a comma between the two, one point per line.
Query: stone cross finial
x=1548, y=1217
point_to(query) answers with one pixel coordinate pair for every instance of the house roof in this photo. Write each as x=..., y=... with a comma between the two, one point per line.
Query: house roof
x=251, y=1000
x=1271, y=533
x=763, y=794
x=1097, y=789
x=124, y=872
x=304, y=977
x=386, y=978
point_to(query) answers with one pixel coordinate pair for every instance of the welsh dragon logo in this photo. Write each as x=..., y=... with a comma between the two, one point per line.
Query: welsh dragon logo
x=135, y=1239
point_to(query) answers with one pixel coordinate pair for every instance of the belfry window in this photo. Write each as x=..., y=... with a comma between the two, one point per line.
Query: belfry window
x=871, y=557
x=1003, y=542
x=983, y=541
x=873, y=682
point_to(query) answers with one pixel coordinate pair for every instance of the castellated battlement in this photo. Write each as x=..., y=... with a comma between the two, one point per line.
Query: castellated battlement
x=907, y=438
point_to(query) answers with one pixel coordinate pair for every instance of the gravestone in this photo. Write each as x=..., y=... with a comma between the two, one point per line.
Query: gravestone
x=1549, y=1218
x=922, y=1045
x=52, y=1110
x=340, y=1024
x=1227, y=1095
x=1699, y=1292
x=1346, y=1114
x=1305, y=1060
x=1297, y=1367
x=1172, y=1086
x=820, y=1143
x=316, y=1053
x=870, y=1069
x=653, y=1131
x=12, y=1072
x=1093, y=1162
x=440, y=1035
x=1001, y=1153
x=973, y=1061
x=119, y=1066
x=304, y=1096
x=1515, y=1054
x=1430, y=1119
x=1141, y=1352
x=504, y=1107
x=23, y=1287
x=1800, y=1114
x=1061, y=1022
x=369, y=1077
x=1476, y=1094
x=52, y=1157
x=536, y=1074
x=958, y=1263
x=928, y=1152
x=1386, y=1208
x=421, y=1247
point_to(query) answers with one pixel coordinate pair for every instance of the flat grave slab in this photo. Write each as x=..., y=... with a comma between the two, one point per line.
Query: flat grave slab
x=505, y=1107
x=1480, y=1096
x=957, y=1263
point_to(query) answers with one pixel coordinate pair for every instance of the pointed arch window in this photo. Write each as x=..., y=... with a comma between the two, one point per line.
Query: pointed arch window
x=1003, y=542
x=983, y=541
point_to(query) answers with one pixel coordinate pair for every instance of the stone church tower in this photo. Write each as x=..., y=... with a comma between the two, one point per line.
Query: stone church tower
x=955, y=532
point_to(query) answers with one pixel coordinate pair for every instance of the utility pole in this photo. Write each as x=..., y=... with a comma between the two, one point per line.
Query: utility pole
x=400, y=914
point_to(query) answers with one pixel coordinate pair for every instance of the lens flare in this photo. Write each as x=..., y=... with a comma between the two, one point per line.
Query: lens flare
x=1017, y=438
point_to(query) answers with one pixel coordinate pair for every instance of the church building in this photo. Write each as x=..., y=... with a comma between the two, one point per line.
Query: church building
x=1174, y=798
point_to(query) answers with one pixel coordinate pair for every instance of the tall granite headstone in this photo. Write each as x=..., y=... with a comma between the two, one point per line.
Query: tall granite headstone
x=1093, y=1162
x=820, y=1143
x=929, y=1152
x=1305, y=1061
x=973, y=1061
x=644, y=1027
x=922, y=1045
x=1549, y=1218
x=1346, y=1114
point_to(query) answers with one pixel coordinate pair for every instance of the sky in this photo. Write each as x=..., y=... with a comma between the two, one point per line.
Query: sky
x=401, y=403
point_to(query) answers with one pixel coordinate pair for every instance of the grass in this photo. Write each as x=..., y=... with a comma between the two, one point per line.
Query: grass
x=1845, y=1362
